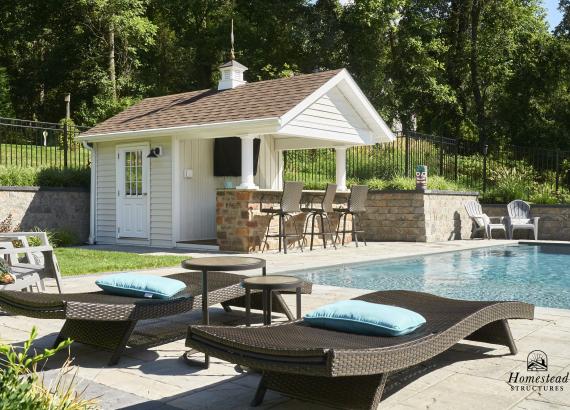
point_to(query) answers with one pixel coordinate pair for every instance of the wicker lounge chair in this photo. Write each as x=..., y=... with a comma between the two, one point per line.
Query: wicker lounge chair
x=349, y=370
x=108, y=321
x=520, y=218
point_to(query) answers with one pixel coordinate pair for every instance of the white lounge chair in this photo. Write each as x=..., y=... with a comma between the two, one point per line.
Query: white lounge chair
x=520, y=218
x=482, y=222
x=37, y=264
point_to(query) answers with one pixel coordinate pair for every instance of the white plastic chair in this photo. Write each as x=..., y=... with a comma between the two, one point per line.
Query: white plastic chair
x=520, y=218
x=482, y=222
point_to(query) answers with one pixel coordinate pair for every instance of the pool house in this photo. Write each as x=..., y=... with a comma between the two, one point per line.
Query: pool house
x=157, y=166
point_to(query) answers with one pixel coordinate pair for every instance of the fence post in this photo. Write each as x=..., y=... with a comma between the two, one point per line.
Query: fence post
x=65, y=144
x=407, y=155
x=557, y=169
x=441, y=155
x=485, y=152
x=456, y=158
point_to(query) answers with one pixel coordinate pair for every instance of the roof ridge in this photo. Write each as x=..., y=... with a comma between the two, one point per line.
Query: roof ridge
x=335, y=71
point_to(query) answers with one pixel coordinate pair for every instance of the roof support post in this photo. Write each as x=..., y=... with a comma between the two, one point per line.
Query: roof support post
x=340, y=168
x=247, y=181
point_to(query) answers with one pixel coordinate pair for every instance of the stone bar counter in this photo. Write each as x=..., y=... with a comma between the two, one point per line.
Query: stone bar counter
x=412, y=216
x=241, y=226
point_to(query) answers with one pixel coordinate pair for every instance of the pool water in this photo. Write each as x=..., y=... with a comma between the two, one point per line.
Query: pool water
x=538, y=274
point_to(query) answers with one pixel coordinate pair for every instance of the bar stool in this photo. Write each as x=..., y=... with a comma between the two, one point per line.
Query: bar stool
x=322, y=212
x=356, y=205
x=290, y=204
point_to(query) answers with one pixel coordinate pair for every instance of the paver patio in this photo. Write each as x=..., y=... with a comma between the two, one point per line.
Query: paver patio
x=468, y=376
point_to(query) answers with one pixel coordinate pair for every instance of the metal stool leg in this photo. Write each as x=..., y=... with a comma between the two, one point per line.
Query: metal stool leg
x=331, y=232
x=296, y=231
x=266, y=245
x=323, y=233
x=312, y=229
x=344, y=228
x=354, y=233
x=282, y=233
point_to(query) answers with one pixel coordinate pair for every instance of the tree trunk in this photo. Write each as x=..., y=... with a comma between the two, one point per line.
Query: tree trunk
x=457, y=62
x=476, y=7
x=112, y=74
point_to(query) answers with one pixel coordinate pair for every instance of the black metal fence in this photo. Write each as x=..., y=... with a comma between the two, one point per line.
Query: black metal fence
x=41, y=144
x=468, y=163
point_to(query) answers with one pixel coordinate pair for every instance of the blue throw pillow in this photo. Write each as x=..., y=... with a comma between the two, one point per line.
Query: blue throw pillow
x=141, y=286
x=358, y=316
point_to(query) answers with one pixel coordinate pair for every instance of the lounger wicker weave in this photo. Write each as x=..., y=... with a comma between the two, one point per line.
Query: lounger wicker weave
x=108, y=321
x=350, y=370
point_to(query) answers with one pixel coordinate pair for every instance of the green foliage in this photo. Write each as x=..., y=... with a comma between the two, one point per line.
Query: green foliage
x=486, y=70
x=22, y=387
x=56, y=237
x=6, y=109
x=44, y=177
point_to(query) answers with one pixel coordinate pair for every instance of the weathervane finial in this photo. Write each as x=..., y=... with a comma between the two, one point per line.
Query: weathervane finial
x=232, y=54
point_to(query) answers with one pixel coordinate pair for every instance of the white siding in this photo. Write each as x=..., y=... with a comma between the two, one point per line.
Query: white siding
x=160, y=195
x=330, y=117
x=198, y=194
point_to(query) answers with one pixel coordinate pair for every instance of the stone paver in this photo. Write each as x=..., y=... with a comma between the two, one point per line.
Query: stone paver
x=471, y=375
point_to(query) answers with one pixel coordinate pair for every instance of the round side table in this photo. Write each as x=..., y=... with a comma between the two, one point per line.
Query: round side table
x=269, y=284
x=219, y=263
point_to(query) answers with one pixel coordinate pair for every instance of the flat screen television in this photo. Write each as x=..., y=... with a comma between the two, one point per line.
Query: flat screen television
x=227, y=156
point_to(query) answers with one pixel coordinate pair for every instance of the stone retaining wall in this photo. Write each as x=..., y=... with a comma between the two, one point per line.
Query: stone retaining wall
x=554, y=222
x=25, y=208
x=411, y=216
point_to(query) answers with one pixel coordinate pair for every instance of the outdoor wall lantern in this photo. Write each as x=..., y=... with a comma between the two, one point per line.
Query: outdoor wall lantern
x=155, y=152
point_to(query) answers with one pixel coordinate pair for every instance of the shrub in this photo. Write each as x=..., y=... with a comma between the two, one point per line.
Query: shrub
x=46, y=177
x=57, y=238
x=23, y=389
x=401, y=183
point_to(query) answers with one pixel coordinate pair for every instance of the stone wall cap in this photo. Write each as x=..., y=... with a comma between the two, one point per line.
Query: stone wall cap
x=531, y=205
x=426, y=192
x=42, y=188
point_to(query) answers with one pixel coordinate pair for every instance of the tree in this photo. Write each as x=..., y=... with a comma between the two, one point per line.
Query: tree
x=122, y=31
x=6, y=109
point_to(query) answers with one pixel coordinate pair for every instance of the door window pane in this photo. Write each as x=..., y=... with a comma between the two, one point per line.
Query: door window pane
x=133, y=173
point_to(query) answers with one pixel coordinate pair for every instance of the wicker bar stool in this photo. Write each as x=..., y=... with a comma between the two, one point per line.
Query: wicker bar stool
x=289, y=205
x=355, y=207
x=322, y=212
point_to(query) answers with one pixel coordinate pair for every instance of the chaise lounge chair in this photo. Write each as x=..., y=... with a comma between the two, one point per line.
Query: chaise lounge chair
x=350, y=370
x=108, y=321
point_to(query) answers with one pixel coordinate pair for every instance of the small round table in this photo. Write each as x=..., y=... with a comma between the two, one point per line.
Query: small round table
x=219, y=263
x=268, y=284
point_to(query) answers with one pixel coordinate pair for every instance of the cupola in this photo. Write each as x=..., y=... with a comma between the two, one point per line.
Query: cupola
x=231, y=73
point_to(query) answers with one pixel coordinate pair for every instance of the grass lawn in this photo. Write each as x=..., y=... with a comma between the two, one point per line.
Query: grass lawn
x=77, y=261
x=38, y=155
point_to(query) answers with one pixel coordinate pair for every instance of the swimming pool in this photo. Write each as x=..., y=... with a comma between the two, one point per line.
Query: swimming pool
x=538, y=274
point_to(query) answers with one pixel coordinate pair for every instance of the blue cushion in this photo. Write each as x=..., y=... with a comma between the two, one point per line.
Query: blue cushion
x=358, y=316
x=141, y=286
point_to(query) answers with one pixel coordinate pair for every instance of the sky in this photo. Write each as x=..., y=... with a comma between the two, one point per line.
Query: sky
x=553, y=15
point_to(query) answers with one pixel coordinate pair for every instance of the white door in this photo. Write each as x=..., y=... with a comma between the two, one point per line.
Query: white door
x=132, y=192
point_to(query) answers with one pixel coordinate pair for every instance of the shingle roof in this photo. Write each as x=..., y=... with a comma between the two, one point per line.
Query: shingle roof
x=262, y=99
